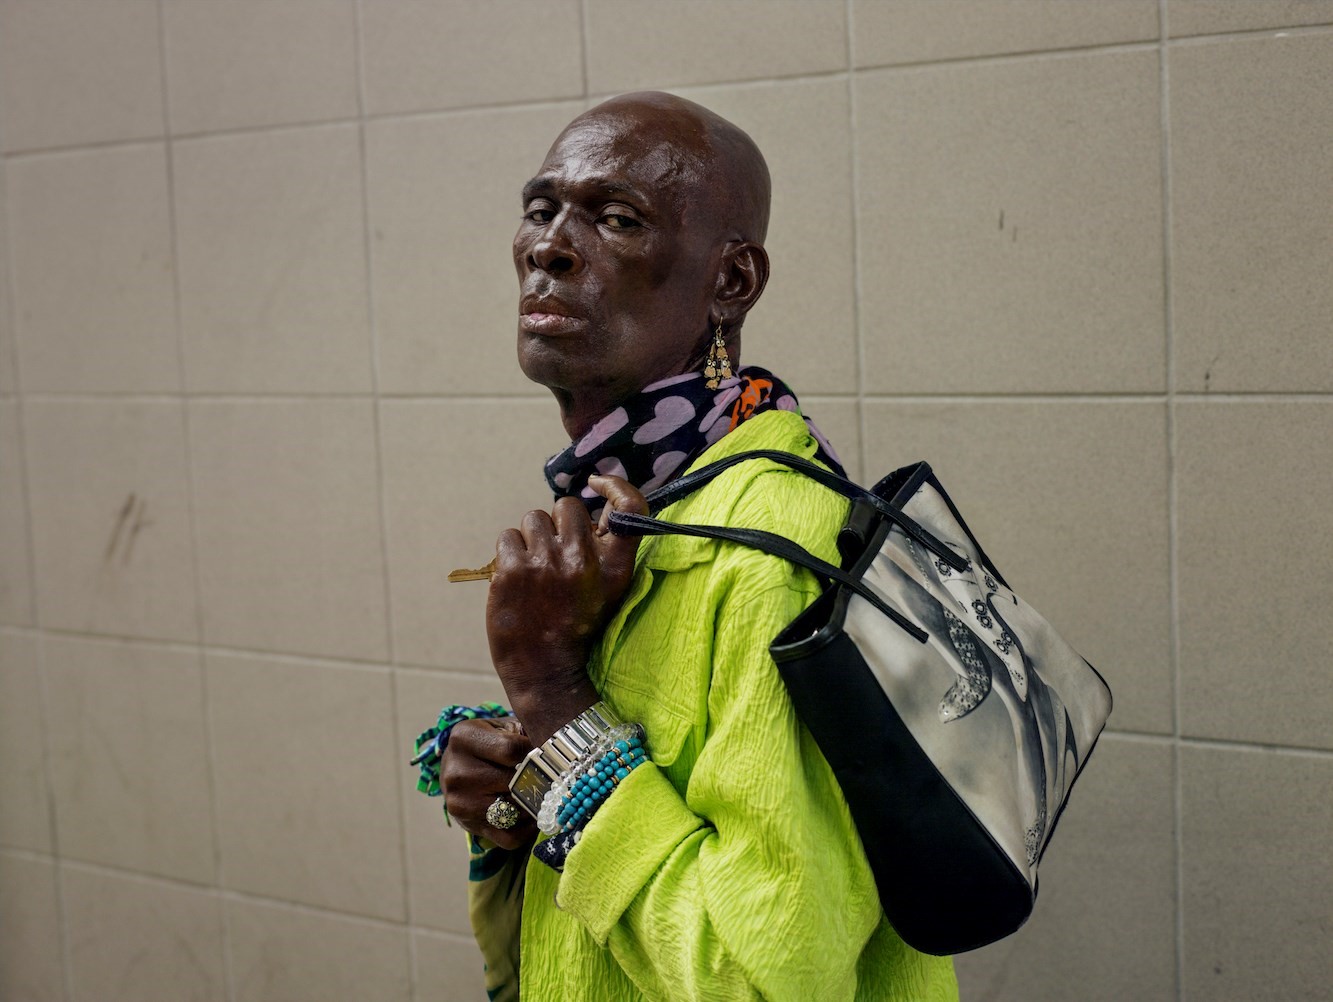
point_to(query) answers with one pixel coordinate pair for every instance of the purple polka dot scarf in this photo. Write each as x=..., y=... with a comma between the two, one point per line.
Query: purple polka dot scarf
x=652, y=437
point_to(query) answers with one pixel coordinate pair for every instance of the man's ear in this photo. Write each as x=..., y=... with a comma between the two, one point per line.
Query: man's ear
x=742, y=275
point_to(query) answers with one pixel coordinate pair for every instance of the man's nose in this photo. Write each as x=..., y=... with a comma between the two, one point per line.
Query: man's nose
x=552, y=251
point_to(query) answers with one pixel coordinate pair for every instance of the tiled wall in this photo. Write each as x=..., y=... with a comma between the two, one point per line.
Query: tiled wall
x=257, y=397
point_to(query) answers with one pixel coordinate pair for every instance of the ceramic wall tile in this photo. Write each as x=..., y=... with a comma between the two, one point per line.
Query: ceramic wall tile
x=920, y=31
x=129, y=757
x=1084, y=541
x=1009, y=227
x=427, y=56
x=1254, y=627
x=283, y=953
x=1110, y=866
x=447, y=496
x=804, y=327
x=444, y=205
x=74, y=72
x=437, y=856
x=110, y=517
x=308, y=777
x=287, y=508
x=634, y=46
x=31, y=967
x=1204, y=17
x=1250, y=238
x=447, y=967
x=1257, y=884
x=273, y=262
x=231, y=65
x=98, y=221
x=839, y=420
x=15, y=566
x=132, y=939
x=8, y=350
x=25, y=819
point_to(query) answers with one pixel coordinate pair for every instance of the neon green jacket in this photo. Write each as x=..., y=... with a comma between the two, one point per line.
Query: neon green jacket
x=728, y=867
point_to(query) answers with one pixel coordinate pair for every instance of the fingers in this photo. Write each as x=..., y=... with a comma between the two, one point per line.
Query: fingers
x=498, y=742
x=475, y=772
x=617, y=552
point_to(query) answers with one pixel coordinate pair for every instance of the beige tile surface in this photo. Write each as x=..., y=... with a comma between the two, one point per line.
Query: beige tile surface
x=308, y=776
x=639, y=45
x=804, y=327
x=132, y=939
x=448, y=968
x=76, y=72
x=285, y=955
x=1085, y=542
x=15, y=566
x=456, y=474
x=231, y=65
x=110, y=520
x=1009, y=226
x=1257, y=884
x=99, y=222
x=24, y=820
x=287, y=510
x=1104, y=923
x=272, y=262
x=917, y=31
x=1251, y=239
x=839, y=419
x=424, y=56
x=444, y=205
x=1201, y=17
x=129, y=757
x=437, y=856
x=1254, y=627
x=8, y=350
x=30, y=961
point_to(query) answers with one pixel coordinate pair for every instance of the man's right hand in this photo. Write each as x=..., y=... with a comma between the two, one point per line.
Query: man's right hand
x=478, y=763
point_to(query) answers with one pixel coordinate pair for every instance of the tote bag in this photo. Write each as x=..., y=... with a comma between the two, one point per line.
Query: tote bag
x=953, y=715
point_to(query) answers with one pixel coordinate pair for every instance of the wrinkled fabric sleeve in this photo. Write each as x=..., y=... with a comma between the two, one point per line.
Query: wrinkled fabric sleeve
x=751, y=883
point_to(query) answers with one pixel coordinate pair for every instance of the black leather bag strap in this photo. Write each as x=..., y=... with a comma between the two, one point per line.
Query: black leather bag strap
x=628, y=523
x=691, y=482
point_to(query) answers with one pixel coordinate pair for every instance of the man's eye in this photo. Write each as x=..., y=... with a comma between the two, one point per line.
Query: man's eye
x=539, y=215
x=619, y=221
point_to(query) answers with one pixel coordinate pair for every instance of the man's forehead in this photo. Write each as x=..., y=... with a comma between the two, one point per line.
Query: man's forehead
x=616, y=150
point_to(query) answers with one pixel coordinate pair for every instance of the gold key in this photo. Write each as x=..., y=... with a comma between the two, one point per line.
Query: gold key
x=480, y=574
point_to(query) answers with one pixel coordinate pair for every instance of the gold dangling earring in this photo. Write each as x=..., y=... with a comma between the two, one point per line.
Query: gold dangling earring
x=718, y=364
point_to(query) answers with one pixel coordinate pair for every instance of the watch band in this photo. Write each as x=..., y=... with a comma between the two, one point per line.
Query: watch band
x=558, y=755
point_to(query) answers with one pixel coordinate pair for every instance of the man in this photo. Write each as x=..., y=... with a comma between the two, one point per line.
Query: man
x=726, y=865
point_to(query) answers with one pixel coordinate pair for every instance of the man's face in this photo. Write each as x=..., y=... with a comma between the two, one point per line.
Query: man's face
x=615, y=259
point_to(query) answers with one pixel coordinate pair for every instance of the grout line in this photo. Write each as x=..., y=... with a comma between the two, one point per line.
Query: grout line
x=509, y=399
x=1291, y=31
x=584, y=47
x=373, y=338
x=1172, y=495
x=858, y=334
x=210, y=745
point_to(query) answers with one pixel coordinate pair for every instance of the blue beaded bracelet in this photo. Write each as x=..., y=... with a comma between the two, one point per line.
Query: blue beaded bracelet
x=591, y=789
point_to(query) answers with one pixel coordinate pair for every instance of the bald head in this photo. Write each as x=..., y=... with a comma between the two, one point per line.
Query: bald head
x=640, y=244
x=715, y=164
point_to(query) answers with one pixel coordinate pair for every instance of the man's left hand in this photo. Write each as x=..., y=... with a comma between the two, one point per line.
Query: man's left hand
x=558, y=579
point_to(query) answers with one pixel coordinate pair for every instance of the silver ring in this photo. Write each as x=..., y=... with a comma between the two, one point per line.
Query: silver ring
x=502, y=814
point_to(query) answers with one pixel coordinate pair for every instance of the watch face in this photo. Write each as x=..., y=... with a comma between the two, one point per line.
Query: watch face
x=529, y=787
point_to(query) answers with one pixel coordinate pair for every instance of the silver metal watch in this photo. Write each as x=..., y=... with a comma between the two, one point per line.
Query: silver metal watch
x=558, y=755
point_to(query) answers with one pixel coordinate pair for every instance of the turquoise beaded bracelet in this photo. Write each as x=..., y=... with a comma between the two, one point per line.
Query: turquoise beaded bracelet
x=590, y=790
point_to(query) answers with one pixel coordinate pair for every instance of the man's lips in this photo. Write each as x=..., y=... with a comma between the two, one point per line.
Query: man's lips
x=544, y=318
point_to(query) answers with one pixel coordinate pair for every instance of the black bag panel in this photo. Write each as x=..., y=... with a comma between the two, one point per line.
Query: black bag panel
x=944, y=884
